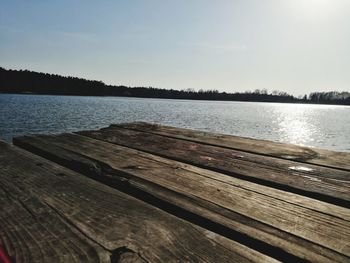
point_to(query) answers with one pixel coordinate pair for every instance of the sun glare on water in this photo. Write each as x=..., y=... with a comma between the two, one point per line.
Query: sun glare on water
x=295, y=123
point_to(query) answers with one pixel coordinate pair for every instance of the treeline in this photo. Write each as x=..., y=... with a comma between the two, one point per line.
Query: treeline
x=24, y=81
x=333, y=97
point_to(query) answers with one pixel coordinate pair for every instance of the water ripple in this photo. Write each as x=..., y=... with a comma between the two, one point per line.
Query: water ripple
x=321, y=126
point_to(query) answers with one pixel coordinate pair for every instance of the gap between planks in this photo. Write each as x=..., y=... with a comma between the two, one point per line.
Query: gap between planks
x=114, y=220
x=327, y=158
x=326, y=184
x=298, y=225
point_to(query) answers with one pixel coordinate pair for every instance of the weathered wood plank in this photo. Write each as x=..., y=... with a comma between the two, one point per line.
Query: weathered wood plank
x=301, y=226
x=116, y=221
x=31, y=231
x=319, y=182
x=340, y=160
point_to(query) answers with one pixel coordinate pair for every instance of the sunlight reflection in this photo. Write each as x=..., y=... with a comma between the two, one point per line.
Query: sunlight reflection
x=295, y=124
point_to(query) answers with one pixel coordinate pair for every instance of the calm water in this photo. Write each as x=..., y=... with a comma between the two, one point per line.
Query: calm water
x=320, y=126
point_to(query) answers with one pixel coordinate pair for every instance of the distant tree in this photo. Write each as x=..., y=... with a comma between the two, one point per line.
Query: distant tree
x=24, y=81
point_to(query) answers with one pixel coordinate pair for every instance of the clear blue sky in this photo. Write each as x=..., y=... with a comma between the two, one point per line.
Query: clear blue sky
x=296, y=46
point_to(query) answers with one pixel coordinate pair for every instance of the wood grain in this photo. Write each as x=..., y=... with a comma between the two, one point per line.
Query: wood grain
x=119, y=223
x=318, y=182
x=31, y=231
x=300, y=226
x=339, y=160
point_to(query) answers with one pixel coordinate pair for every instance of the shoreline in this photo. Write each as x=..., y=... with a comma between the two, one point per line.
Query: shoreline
x=179, y=99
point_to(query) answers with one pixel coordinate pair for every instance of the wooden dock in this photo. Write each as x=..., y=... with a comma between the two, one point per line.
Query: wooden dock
x=147, y=193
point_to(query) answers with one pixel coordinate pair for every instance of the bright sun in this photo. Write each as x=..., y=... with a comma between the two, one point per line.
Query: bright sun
x=315, y=4
x=314, y=8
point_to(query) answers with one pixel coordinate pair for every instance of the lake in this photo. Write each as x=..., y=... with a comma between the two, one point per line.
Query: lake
x=322, y=126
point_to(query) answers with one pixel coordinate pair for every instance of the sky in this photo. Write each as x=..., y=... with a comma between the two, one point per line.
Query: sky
x=297, y=46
